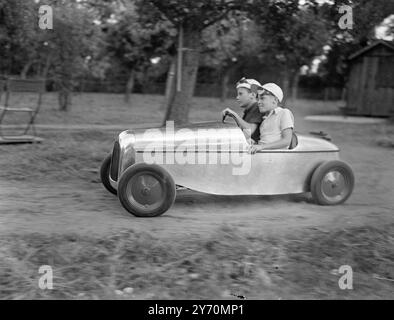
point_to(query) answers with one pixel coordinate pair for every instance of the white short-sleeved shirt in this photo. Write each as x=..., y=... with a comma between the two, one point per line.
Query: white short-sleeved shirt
x=277, y=120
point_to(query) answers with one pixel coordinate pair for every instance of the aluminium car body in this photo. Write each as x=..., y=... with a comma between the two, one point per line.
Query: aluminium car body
x=271, y=171
x=146, y=165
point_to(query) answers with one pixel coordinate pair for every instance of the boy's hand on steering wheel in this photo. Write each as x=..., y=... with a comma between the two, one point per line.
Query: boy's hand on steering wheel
x=227, y=112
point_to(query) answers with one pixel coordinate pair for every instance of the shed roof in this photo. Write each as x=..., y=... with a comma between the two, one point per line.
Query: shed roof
x=371, y=46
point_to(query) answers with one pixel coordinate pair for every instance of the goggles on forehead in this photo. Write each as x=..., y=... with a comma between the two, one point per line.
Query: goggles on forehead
x=244, y=83
x=250, y=84
x=241, y=81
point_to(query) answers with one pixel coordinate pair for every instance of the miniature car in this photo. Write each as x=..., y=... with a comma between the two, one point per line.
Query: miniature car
x=146, y=167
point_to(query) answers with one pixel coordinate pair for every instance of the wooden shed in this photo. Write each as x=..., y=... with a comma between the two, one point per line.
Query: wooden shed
x=370, y=88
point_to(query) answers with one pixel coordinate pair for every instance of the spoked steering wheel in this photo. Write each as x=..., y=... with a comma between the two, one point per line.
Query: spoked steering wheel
x=227, y=114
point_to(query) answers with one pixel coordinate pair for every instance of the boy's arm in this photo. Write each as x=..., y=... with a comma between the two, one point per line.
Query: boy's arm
x=247, y=128
x=284, y=142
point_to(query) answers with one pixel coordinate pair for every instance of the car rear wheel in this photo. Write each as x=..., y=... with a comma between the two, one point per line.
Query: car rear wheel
x=104, y=174
x=332, y=183
x=146, y=190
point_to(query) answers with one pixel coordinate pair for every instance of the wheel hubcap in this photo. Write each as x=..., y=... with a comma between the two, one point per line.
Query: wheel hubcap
x=145, y=191
x=335, y=185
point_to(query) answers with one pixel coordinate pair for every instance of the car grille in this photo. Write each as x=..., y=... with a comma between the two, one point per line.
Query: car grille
x=115, y=161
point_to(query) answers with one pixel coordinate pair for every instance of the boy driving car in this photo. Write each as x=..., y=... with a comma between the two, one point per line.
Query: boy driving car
x=247, y=99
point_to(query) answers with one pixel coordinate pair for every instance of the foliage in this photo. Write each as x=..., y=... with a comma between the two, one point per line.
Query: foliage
x=197, y=14
x=70, y=45
x=292, y=34
x=230, y=41
x=367, y=15
x=132, y=42
x=60, y=54
x=97, y=38
x=192, y=17
x=18, y=30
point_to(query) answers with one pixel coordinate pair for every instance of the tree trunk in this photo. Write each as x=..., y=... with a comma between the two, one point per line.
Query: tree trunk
x=325, y=94
x=294, y=85
x=129, y=86
x=179, y=108
x=64, y=99
x=170, y=86
x=225, y=79
x=344, y=94
x=285, y=84
x=48, y=62
x=26, y=69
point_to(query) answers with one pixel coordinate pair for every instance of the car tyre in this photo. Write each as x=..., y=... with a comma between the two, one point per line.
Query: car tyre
x=146, y=190
x=104, y=174
x=332, y=183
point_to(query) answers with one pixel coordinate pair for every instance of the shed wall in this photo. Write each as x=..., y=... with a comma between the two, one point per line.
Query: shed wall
x=366, y=94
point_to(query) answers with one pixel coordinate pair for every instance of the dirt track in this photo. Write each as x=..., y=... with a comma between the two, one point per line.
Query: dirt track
x=85, y=207
x=80, y=203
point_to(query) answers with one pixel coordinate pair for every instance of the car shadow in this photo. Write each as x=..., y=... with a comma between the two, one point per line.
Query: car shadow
x=194, y=197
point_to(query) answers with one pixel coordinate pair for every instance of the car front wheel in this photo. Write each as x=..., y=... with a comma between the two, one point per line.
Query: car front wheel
x=332, y=183
x=104, y=174
x=146, y=190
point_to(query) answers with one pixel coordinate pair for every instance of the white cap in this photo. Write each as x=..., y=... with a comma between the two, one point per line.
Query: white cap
x=247, y=83
x=274, y=89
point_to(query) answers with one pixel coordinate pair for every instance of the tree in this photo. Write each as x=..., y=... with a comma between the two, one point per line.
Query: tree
x=390, y=27
x=292, y=36
x=59, y=54
x=190, y=18
x=132, y=43
x=228, y=44
x=18, y=30
x=70, y=44
x=367, y=15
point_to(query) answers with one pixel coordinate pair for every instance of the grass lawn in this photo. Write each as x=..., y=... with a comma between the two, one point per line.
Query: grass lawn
x=102, y=108
x=53, y=210
x=229, y=263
